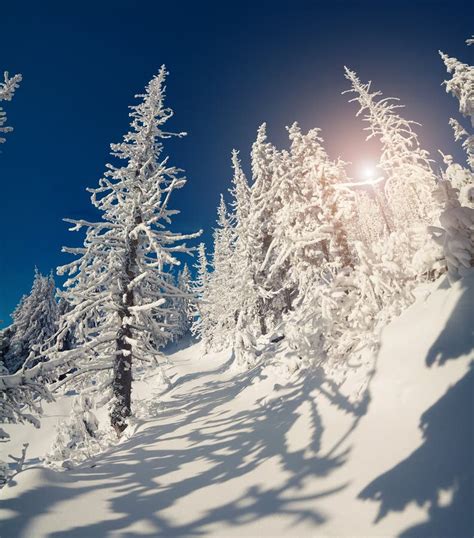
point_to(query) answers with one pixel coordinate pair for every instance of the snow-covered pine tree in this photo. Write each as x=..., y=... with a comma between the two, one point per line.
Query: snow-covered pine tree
x=460, y=85
x=183, y=303
x=315, y=218
x=35, y=321
x=228, y=297
x=406, y=166
x=220, y=303
x=202, y=271
x=289, y=219
x=456, y=234
x=256, y=292
x=456, y=191
x=461, y=178
x=259, y=228
x=118, y=287
x=200, y=304
x=5, y=337
x=7, y=90
x=316, y=210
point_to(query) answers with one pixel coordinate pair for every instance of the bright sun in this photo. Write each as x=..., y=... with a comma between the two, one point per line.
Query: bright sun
x=368, y=172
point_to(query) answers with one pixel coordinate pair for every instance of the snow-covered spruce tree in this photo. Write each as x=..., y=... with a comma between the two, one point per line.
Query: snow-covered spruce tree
x=219, y=306
x=260, y=295
x=241, y=289
x=253, y=290
x=456, y=234
x=456, y=191
x=461, y=178
x=200, y=304
x=310, y=240
x=5, y=337
x=35, y=321
x=405, y=165
x=314, y=213
x=77, y=438
x=461, y=86
x=228, y=300
x=255, y=233
x=320, y=221
x=182, y=304
x=7, y=90
x=287, y=226
x=118, y=287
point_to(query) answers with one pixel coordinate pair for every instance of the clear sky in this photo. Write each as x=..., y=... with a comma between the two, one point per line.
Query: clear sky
x=232, y=66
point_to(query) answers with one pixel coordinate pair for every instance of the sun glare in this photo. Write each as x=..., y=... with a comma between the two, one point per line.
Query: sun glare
x=368, y=172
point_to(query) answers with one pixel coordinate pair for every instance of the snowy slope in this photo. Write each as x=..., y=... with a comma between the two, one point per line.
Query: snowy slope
x=257, y=454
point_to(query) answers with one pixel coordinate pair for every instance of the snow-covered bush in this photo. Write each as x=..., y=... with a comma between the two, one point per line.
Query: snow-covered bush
x=78, y=438
x=21, y=395
x=9, y=470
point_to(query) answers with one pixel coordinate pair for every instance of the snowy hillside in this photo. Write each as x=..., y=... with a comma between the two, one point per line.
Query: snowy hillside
x=268, y=453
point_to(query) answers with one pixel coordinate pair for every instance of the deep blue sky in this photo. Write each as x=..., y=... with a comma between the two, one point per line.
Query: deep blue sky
x=233, y=65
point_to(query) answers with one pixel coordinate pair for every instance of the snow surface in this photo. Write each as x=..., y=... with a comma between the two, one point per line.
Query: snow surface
x=268, y=453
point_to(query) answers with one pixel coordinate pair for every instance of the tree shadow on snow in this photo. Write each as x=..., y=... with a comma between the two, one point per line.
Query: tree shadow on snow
x=457, y=338
x=223, y=444
x=439, y=473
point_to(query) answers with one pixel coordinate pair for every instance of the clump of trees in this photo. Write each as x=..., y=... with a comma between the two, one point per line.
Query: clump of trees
x=302, y=250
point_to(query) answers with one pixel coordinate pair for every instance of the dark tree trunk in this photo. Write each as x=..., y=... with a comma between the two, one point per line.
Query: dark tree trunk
x=122, y=383
x=261, y=317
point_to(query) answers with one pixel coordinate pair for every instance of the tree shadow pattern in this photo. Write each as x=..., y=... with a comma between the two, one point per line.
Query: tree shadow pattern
x=229, y=444
x=439, y=473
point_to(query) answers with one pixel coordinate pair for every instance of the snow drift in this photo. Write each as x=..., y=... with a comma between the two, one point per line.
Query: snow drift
x=271, y=452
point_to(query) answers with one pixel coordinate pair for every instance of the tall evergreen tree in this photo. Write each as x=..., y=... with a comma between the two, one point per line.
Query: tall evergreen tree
x=201, y=304
x=35, y=321
x=183, y=303
x=456, y=191
x=406, y=166
x=219, y=302
x=118, y=287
